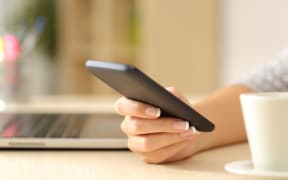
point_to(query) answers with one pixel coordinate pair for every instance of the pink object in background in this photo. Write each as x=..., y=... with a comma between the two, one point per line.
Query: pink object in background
x=11, y=47
x=1, y=49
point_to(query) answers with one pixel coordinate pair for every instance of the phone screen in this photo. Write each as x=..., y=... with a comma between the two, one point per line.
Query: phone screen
x=17, y=125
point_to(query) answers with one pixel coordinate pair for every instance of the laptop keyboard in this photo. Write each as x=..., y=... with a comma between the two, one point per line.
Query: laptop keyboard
x=60, y=125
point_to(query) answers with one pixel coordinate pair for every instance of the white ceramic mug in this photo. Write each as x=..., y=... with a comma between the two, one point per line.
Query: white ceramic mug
x=266, y=121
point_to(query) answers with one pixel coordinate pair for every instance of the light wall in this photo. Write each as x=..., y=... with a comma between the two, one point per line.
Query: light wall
x=179, y=43
x=252, y=32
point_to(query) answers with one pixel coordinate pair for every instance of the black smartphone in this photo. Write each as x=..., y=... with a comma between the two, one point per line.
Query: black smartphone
x=132, y=83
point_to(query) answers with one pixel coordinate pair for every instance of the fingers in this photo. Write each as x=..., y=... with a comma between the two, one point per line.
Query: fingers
x=167, y=154
x=138, y=126
x=158, y=139
x=153, y=142
x=128, y=107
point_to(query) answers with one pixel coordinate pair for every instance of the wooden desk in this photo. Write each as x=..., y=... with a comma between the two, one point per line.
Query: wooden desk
x=117, y=165
x=96, y=164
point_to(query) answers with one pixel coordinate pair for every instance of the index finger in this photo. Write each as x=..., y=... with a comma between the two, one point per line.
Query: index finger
x=128, y=107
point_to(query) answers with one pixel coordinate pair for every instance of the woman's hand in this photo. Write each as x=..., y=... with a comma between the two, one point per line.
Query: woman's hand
x=157, y=139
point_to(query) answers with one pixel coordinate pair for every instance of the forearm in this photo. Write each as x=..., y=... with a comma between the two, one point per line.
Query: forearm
x=223, y=109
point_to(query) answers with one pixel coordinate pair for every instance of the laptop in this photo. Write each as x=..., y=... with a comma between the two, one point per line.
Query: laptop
x=68, y=124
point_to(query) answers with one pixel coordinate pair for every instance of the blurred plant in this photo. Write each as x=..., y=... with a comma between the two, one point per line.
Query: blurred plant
x=134, y=25
x=31, y=11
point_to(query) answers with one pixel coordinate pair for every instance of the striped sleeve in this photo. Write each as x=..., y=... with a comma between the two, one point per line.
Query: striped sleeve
x=268, y=77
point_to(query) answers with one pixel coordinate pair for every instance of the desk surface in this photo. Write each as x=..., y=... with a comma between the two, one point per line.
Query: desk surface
x=96, y=164
x=116, y=165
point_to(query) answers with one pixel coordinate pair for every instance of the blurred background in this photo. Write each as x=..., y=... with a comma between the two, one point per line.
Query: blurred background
x=196, y=46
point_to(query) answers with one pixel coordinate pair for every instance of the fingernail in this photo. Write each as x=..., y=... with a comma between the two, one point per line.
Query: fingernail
x=181, y=125
x=116, y=106
x=153, y=112
x=194, y=130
